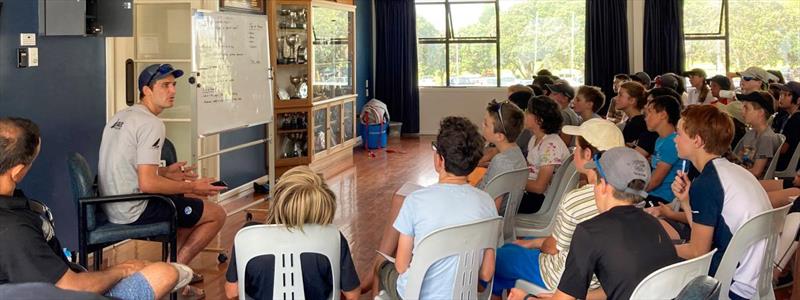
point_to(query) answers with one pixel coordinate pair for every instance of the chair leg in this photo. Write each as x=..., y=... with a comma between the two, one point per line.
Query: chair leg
x=98, y=259
x=164, y=251
x=83, y=257
x=173, y=249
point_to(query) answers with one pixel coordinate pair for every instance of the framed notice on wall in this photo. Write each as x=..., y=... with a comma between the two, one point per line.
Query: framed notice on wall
x=246, y=6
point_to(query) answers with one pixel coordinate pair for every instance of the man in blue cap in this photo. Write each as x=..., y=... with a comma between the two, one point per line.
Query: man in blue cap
x=130, y=156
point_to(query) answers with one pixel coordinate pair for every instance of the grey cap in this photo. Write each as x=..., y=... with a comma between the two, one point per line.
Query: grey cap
x=621, y=165
x=669, y=80
x=561, y=86
x=755, y=72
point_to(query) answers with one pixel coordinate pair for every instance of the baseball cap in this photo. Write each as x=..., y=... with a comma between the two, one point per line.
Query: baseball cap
x=755, y=72
x=791, y=86
x=155, y=72
x=668, y=80
x=695, y=72
x=642, y=78
x=763, y=99
x=733, y=109
x=722, y=81
x=775, y=76
x=561, y=86
x=602, y=134
x=620, y=166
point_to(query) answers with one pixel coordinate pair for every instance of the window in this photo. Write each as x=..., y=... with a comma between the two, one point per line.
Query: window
x=730, y=35
x=499, y=42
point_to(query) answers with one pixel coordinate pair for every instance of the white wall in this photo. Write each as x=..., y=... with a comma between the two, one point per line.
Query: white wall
x=437, y=103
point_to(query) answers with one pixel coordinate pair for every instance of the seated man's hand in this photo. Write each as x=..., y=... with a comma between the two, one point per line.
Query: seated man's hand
x=796, y=181
x=180, y=172
x=131, y=266
x=203, y=187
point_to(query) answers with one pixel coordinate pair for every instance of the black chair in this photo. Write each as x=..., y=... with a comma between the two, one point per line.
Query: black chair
x=168, y=153
x=95, y=232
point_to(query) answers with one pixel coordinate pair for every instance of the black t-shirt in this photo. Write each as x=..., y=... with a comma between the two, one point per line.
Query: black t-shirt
x=26, y=255
x=777, y=121
x=316, y=273
x=635, y=131
x=622, y=246
x=792, y=132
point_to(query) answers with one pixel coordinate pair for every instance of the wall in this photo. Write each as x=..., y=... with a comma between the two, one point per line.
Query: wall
x=243, y=165
x=65, y=95
x=437, y=103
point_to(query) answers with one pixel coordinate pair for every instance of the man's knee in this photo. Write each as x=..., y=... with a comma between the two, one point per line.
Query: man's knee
x=162, y=276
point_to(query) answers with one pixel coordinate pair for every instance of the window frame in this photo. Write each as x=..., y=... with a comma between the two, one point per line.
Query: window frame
x=715, y=36
x=450, y=37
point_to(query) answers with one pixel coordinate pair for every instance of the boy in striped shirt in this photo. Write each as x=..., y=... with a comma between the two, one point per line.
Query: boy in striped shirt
x=541, y=261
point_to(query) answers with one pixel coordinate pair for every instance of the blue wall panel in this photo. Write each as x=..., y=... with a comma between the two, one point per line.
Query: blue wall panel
x=65, y=95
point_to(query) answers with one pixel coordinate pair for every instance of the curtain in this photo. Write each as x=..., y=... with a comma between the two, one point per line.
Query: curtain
x=606, y=44
x=396, y=61
x=663, y=36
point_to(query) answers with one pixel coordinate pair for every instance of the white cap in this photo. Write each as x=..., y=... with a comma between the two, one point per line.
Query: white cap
x=602, y=134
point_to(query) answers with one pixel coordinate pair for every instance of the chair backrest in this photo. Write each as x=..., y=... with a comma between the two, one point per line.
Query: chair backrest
x=287, y=245
x=510, y=185
x=82, y=182
x=700, y=288
x=530, y=224
x=168, y=153
x=791, y=168
x=764, y=227
x=467, y=242
x=551, y=194
x=667, y=282
x=770, y=172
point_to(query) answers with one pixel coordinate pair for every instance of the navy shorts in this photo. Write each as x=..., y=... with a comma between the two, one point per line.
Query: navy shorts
x=189, y=211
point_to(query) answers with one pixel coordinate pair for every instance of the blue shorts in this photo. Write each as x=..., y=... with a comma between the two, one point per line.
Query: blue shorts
x=132, y=287
x=516, y=262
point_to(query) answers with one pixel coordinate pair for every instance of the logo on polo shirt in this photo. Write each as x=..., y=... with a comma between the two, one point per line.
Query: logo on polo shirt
x=117, y=125
x=155, y=145
x=187, y=210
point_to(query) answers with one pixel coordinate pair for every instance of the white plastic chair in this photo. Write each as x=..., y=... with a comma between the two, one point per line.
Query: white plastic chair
x=531, y=288
x=541, y=223
x=667, y=282
x=467, y=242
x=510, y=185
x=763, y=227
x=287, y=245
x=791, y=168
x=770, y=172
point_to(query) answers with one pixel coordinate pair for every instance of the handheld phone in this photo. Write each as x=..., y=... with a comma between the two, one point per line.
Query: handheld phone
x=219, y=183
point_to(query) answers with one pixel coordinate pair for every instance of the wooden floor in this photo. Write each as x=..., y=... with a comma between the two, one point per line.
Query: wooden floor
x=363, y=192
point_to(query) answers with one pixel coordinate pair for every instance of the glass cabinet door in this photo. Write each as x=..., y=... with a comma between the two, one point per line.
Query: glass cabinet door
x=335, y=125
x=320, y=129
x=292, y=134
x=349, y=120
x=332, y=31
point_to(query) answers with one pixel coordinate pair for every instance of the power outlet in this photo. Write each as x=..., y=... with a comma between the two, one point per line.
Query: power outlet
x=27, y=57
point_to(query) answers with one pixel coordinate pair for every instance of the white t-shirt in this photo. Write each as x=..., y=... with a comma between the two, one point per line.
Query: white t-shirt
x=132, y=137
x=551, y=151
x=694, y=97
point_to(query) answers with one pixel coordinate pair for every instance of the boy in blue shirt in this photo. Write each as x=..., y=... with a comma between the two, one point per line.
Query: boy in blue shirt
x=661, y=116
x=451, y=201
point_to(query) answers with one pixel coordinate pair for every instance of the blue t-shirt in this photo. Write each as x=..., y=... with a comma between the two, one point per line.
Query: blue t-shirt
x=432, y=208
x=666, y=152
x=725, y=196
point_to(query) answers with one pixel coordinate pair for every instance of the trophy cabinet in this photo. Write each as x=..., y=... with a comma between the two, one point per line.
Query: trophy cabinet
x=313, y=52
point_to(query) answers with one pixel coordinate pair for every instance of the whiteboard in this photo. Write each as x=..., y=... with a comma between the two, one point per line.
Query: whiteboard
x=230, y=64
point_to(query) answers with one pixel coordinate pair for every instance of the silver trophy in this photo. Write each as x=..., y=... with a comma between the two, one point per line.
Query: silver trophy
x=291, y=41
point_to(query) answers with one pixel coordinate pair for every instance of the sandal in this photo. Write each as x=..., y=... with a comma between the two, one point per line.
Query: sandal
x=196, y=277
x=194, y=293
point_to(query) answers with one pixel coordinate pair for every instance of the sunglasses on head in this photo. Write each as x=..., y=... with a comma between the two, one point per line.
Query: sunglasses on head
x=162, y=69
x=599, y=168
x=500, y=114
